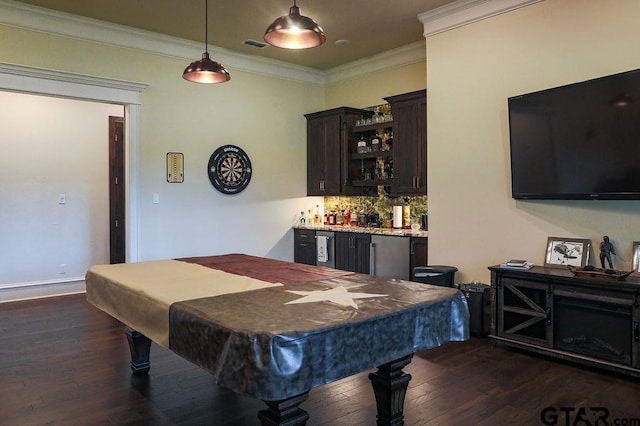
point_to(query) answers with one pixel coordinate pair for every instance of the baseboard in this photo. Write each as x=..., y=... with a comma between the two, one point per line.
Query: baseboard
x=40, y=289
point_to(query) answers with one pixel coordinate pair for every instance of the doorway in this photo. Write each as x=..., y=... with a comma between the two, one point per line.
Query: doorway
x=24, y=79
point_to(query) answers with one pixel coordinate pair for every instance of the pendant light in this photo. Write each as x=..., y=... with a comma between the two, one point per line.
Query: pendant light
x=205, y=70
x=294, y=31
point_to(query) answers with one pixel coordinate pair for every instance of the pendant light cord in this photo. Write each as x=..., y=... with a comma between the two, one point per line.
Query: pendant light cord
x=206, y=25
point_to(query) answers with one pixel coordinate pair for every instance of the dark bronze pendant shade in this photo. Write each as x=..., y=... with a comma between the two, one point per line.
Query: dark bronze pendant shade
x=294, y=31
x=205, y=70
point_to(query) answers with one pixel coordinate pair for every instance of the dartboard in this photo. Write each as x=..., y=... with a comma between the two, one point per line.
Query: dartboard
x=229, y=169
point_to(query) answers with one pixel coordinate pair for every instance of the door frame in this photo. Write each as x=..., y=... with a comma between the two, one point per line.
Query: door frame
x=40, y=81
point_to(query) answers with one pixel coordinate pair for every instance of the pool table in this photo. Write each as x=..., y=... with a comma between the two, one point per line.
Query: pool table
x=274, y=330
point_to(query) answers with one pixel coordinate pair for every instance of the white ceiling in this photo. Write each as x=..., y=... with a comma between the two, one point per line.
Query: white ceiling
x=369, y=26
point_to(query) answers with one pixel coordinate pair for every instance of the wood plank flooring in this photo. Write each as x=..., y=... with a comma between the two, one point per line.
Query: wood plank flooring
x=64, y=362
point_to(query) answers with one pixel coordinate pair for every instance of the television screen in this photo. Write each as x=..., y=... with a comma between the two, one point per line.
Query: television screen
x=580, y=141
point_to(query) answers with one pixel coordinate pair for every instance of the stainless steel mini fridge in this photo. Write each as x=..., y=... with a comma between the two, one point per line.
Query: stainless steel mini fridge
x=390, y=256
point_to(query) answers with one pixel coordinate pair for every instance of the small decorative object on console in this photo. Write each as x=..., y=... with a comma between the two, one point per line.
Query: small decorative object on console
x=600, y=273
x=517, y=264
x=606, y=250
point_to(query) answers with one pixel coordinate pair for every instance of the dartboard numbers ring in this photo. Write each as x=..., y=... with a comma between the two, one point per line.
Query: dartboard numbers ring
x=229, y=169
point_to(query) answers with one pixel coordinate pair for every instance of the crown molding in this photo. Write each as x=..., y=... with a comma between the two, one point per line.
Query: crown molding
x=405, y=55
x=464, y=12
x=450, y=16
x=46, y=21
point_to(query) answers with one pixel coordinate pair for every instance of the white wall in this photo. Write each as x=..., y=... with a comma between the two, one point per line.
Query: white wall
x=50, y=147
x=471, y=71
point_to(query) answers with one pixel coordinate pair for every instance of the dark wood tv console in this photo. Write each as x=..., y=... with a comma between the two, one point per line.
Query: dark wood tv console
x=550, y=311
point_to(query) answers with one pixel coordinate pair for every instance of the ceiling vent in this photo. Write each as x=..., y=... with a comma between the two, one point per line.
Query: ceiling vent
x=254, y=43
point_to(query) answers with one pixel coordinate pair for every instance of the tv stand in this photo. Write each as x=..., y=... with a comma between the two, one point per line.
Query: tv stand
x=550, y=311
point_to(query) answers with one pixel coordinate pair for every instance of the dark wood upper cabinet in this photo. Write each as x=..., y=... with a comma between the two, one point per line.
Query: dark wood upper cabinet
x=327, y=135
x=409, y=143
x=334, y=167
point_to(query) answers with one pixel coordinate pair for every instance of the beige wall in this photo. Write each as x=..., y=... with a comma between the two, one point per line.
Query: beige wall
x=261, y=114
x=472, y=70
x=369, y=89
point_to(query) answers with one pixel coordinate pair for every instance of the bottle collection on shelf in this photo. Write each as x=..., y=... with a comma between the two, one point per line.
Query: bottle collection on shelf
x=382, y=167
x=381, y=114
x=362, y=219
x=376, y=143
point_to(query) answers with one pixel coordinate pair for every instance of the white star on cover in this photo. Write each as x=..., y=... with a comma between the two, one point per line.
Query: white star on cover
x=338, y=295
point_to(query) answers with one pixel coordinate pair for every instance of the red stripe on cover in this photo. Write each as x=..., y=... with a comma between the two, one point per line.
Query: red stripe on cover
x=269, y=270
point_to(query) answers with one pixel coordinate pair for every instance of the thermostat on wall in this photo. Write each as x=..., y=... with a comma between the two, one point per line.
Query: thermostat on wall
x=175, y=167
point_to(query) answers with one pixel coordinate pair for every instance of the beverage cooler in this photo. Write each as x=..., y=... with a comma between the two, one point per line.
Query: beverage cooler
x=389, y=256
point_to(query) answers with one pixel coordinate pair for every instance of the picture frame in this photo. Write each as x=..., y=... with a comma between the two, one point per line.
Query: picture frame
x=636, y=256
x=566, y=251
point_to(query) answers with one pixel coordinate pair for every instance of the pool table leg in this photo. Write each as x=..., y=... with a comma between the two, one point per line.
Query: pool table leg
x=140, y=347
x=285, y=412
x=390, y=386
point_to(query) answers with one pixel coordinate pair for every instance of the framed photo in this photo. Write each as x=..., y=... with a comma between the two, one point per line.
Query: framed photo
x=567, y=252
x=636, y=256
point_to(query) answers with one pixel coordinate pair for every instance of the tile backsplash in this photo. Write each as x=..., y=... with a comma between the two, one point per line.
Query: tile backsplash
x=382, y=205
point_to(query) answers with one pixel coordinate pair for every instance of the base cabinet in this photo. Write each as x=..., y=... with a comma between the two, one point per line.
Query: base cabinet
x=364, y=253
x=418, y=254
x=304, y=246
x=353, y=252
x=586, y=320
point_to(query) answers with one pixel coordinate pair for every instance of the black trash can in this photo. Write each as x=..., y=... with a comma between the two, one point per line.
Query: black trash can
x=436, y=275
x=478, y=299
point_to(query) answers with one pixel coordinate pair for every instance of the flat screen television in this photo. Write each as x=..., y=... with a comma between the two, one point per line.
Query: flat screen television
x=577, y=142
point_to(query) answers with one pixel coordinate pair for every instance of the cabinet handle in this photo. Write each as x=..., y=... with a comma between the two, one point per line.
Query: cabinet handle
x=372, y=259
x=412, y=250
x=321, y=185
x=636, y=331
x=548, y=316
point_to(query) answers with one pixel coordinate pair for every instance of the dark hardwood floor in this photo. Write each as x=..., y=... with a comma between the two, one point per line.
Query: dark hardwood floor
x=64, y=362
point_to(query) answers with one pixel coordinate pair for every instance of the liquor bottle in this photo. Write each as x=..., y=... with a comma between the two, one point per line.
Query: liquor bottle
x=362, y=145
x=375, y=142
x=389, y=141
x=316, y=216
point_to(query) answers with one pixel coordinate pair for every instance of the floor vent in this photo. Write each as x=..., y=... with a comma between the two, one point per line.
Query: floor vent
x=254, y=43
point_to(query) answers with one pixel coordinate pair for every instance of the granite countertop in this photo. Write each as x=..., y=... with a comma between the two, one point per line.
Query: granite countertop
x=365, y=230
